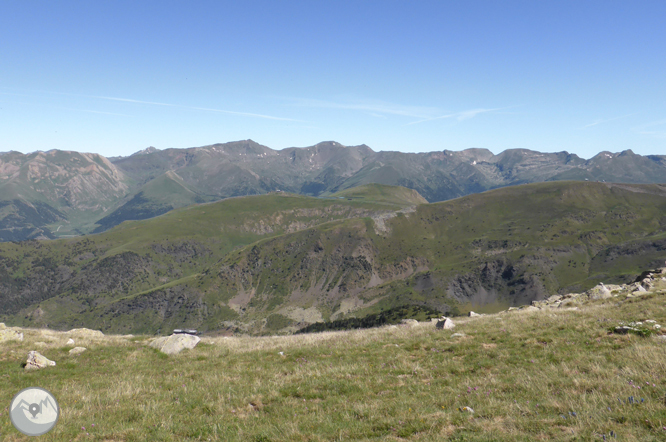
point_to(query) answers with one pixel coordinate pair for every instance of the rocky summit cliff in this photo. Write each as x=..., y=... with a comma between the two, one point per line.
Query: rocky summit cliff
x=58, y=193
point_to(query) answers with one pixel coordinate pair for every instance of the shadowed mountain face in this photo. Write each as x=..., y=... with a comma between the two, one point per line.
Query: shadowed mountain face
x=279, y=262
x=86, y=192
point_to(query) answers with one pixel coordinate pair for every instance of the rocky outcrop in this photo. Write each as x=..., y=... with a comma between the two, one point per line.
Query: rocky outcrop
x=649, y=282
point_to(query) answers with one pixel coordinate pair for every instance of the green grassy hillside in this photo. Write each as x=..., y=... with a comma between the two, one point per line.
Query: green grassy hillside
x=552, y=375
x=383, y=193
x=279, y=262
x=56, y=282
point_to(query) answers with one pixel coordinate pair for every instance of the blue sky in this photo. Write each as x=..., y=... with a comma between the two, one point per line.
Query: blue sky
x=114, y=77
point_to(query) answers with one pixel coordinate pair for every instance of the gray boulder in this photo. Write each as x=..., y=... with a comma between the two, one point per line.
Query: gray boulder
x=474, y=315
x=410, y=322
x=36, y=360
x=174, y=344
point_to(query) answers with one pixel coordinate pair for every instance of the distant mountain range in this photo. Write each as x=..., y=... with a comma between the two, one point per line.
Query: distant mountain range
x=60, y=193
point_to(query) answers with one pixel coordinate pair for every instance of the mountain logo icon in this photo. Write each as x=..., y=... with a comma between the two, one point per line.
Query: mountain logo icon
x=34, y=411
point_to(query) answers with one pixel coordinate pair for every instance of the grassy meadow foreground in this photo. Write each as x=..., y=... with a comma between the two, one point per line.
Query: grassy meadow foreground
x=553, y=374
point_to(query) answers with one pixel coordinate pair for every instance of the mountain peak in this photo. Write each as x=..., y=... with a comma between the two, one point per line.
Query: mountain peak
x=146, y=151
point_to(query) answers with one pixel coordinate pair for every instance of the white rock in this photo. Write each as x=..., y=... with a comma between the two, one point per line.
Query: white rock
x=410, y=322
x=473, y=314
x=36, y=360
x=599, y=292
x=656, y=326
x=445, y=324
x=458, y=335
x=174, y=344
x=77, y=350
x=651, y=321
x=70, y=341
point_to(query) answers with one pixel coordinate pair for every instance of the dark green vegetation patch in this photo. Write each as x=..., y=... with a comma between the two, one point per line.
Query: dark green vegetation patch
x=392, y=316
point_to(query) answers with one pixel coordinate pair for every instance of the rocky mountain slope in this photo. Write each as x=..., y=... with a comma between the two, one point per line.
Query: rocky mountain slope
x=57, y=193
x=279, y=262
x=47, y=194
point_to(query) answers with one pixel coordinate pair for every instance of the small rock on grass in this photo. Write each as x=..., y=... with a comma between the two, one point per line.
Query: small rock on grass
x=175, y=343
x=77, y=350
x=36, y=360
x=70, y=341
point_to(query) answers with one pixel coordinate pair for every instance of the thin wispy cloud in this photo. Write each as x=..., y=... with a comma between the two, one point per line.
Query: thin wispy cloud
x=94, y=111
x=605, y=120
x=245, y=114
x=653, y=129
x=129, y=100
x=372, y=106
x=459, y=116
x=157, y=103
x=23, y=103
x=205, y=109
